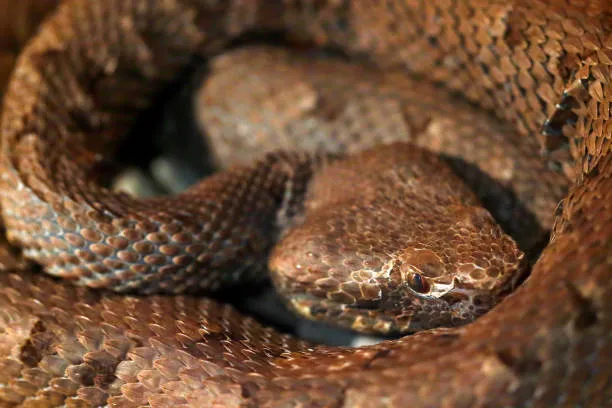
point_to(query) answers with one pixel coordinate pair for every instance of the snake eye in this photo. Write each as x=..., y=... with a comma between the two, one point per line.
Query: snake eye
x=418, y=283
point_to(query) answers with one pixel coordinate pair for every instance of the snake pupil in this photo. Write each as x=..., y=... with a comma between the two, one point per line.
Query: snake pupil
x=418, y=284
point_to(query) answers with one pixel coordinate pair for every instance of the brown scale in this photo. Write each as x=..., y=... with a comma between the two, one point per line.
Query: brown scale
x=411, y=225
x=260, y=98
x=95, y=65
x=18, y=22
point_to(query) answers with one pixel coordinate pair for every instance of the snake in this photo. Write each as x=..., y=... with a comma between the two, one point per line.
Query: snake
x=129, y=330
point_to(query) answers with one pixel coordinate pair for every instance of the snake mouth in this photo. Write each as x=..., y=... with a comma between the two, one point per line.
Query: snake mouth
x=363, y=320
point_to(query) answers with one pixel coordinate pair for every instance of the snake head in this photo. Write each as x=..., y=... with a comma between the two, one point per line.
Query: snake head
x=404, y=248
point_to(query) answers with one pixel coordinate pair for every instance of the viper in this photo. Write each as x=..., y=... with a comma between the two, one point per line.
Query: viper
x=377, y=233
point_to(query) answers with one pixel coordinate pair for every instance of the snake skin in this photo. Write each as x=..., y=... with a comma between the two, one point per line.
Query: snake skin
x=544, y=66
x=314, y=102
x=391, y=241
x=18, y=22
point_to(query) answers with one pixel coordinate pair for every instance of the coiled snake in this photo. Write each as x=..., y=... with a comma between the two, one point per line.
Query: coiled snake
x=543, y=66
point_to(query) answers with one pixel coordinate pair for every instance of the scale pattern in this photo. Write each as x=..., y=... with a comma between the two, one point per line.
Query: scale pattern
x=542, y=65
x=258, y=97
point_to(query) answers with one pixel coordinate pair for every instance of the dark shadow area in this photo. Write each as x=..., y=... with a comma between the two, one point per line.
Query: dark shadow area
x=169, y=126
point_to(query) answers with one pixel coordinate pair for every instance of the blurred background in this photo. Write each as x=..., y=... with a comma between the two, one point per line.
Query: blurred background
x=19, y=20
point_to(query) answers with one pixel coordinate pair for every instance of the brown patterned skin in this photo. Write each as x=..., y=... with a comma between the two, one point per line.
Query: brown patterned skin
x=68, y=346
x=392, y=242
x=208, y=238
x=258, y=97
x=547, y=344
x=18, y=22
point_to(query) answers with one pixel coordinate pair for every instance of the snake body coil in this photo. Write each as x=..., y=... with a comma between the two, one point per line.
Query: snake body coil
x=543, y=66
